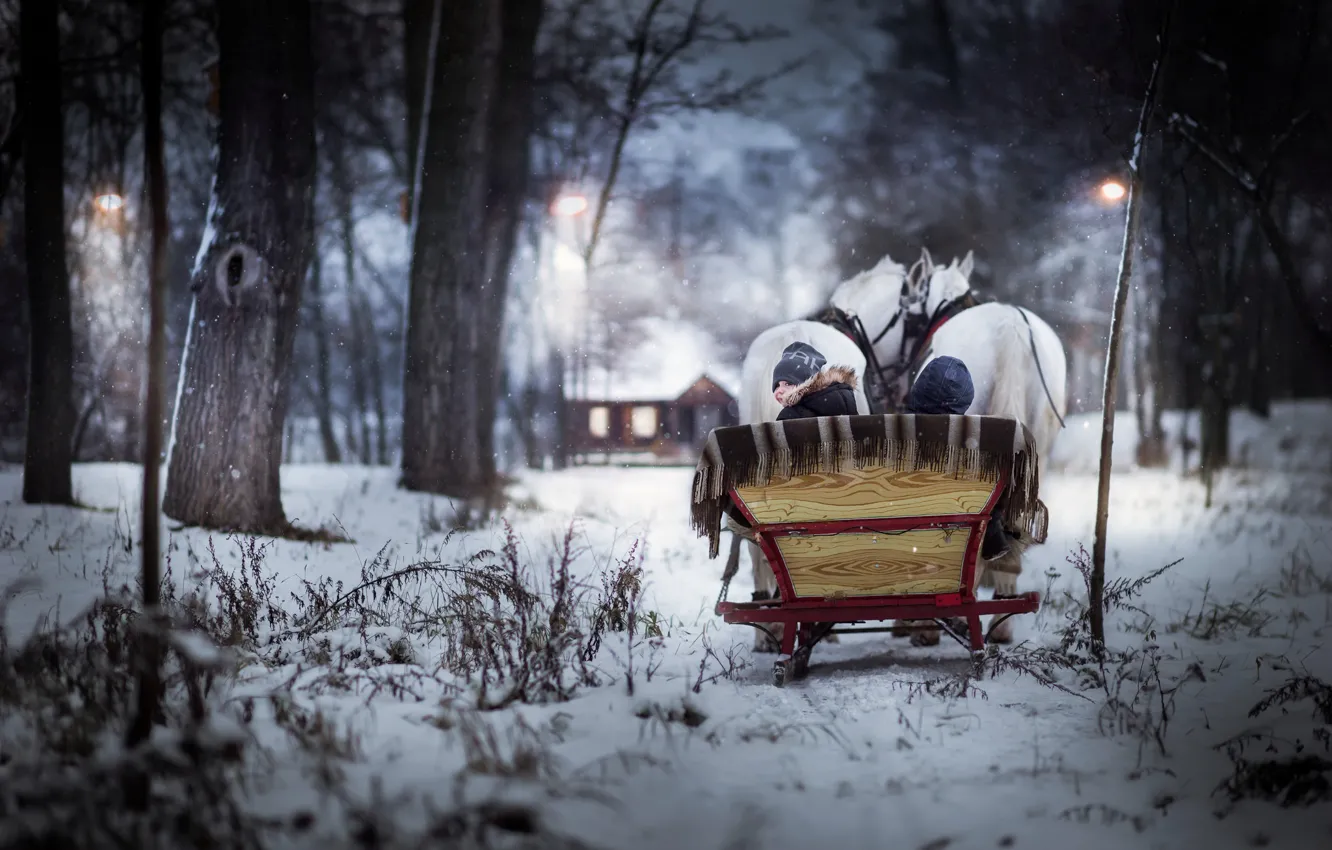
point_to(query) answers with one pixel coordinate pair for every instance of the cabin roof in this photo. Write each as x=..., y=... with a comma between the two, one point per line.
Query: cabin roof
x=666, y=360
x=703, y=389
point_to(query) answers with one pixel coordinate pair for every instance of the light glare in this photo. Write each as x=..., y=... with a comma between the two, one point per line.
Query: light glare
x=570, y=205
x=109, y=202
x=1112, y=190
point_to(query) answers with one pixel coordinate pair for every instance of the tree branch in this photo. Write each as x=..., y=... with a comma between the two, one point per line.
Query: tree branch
x=1252, y=188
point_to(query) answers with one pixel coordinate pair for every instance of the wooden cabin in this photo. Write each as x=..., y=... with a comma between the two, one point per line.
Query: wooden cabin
x=661, y=430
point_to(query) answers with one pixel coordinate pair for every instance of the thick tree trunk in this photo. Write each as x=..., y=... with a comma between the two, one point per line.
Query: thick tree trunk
x=510, y=164
x=323, y=394
x=51, y=414
x=446, y=335
x=224, y=470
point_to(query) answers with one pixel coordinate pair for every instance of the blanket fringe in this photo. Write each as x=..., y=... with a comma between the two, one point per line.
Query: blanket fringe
x=714, y=480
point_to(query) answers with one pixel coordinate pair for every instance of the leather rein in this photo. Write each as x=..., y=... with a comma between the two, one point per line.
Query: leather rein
x=914, y=324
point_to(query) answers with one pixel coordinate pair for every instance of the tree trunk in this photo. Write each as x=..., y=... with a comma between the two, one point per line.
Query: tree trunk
x=511, y=123
x=446, y=338
x=1096, y=591
x=365, y=348
x=224, y=468
x=360, y=393
x=50, y=428
x=323, y=395
x=417, y=24
x=150, y=548
x=1260, y=362
x=559, y=368
x=341, y=189
x=375, y=367
x=1151, y=451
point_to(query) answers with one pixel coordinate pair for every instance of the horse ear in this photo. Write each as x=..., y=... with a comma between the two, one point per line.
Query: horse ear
x=929, y=262
x=968, y=263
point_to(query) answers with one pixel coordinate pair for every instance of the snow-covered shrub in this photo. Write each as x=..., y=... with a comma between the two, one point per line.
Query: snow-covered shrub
x=1136, y=697
x=1297, y=772
x=66, y=699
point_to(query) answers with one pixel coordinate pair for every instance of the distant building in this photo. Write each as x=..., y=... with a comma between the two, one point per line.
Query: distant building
x=661, y=427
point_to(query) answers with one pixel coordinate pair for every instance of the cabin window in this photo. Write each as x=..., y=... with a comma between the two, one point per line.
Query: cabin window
x=598, y=422
x=643, y=422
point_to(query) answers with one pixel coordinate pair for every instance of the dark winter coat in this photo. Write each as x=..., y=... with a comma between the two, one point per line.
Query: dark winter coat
x=831, y=392
x=942, y=387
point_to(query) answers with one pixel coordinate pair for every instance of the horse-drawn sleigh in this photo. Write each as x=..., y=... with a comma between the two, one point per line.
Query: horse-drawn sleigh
x=878, y=517
x=867, y=518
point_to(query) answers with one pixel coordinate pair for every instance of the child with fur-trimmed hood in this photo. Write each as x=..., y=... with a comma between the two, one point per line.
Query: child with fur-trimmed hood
x=804, y=388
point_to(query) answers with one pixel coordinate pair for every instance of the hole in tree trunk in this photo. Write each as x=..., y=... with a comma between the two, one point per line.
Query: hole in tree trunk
x=235, y=269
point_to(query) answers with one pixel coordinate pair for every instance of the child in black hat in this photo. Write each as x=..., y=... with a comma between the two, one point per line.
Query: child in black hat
x=804, y=388
x=944, y=387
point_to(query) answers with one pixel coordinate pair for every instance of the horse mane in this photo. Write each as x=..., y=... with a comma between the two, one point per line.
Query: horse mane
x=851, y=290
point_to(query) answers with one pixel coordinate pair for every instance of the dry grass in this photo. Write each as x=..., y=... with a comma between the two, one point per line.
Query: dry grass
x=482, y=632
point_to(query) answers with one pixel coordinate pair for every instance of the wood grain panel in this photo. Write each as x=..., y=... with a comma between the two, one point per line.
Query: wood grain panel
x=865, y=494
x=927, y=560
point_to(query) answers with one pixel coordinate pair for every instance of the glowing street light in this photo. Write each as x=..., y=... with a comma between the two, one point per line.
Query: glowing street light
x=110, y=202
x=568, y=206
x=1113, y=190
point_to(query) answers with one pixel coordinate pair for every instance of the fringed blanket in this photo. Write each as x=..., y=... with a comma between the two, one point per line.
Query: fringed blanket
x=973, y=447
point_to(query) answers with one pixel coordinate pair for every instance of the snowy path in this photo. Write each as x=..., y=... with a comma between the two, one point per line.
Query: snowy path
x=849, y=757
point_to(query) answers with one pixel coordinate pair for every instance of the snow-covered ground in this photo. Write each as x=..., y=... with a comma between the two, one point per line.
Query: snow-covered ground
x=856, y=755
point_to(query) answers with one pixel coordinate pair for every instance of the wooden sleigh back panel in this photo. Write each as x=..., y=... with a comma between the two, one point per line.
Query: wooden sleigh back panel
x=870, y=532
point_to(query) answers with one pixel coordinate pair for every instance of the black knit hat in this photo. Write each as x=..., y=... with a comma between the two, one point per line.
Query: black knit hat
x=943, y=386
x=800, y=362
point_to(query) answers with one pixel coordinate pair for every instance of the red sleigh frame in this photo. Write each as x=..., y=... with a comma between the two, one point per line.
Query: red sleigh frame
x=813, y=618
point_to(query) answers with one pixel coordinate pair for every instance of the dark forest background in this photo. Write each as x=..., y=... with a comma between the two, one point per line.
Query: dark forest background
x=954, y=125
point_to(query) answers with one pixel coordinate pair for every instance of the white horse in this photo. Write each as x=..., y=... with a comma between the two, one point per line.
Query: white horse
x=1017, y=363
x=757, y=403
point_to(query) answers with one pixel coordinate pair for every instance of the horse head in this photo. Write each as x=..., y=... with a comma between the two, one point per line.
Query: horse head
x=895, y=303
x=871, y=293
x=877, y=297
x=948, y=283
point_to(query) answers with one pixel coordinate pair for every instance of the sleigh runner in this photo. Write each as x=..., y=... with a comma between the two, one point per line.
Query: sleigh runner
x=867, y=518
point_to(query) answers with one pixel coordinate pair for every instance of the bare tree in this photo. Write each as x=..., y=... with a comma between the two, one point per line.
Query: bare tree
x=1131, y=226
x=227, y=447
x=50, y=431
x=1256, y=187
x=453, y=319
x=607, y=74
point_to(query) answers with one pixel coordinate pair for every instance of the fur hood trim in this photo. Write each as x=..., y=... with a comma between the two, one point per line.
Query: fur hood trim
x=821, y=381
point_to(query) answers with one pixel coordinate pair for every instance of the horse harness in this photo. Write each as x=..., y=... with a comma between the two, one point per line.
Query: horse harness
x=918, y=329
x=885, y=376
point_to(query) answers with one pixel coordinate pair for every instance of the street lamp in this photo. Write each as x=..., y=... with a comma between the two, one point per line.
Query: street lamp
x=1113, y=190
x=568, y=206
x=108, y=202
